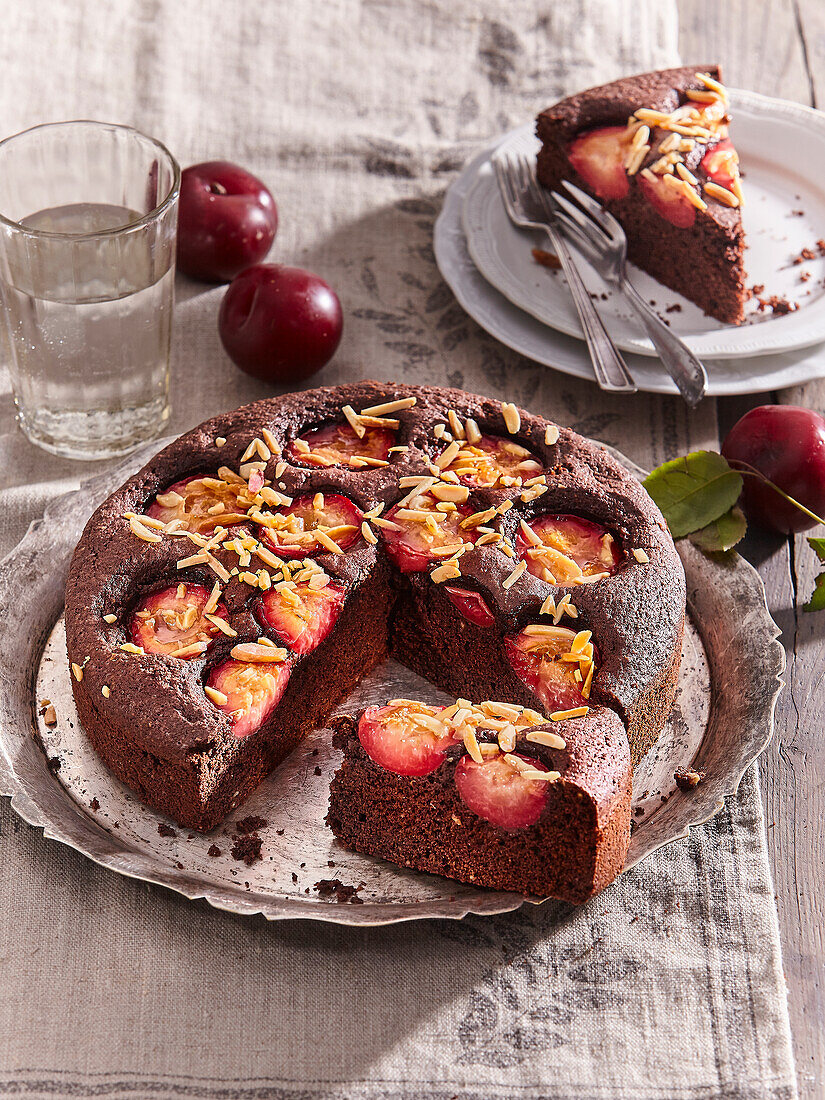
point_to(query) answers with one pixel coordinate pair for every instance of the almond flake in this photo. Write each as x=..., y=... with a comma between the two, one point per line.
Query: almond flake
x=105, y=691
x=110, y=618
x=216, y=696
x=512, y=417
x=514, y=576
x=354, y=421
x=640, y=555
x=563, y=715
x=258, y=654
x=545, y=737
x=368, y=533
x=390, y=407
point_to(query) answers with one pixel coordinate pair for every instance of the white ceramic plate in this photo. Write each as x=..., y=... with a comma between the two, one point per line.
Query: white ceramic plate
x=529, y=337
x=769, y=135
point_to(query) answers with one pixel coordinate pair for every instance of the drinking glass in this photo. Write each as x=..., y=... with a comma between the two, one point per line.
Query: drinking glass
x=88, y=219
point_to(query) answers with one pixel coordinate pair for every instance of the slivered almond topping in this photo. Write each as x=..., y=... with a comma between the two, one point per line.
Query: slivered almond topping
x=212, y=602
x=222, y=625
x=514, y=576
x=220, y=441
x=563, y=715
x=271, y=441
x=387, y=524
x=49, y=715
x=507, y=738
x=456, y=427
x=327, y=542
x=354, y=421
x=721, y=194
x=139, y=528
x=255, y=653
x=543, y=777
x=170, y=499
x=545, y=737
x=449, y=571
x=193, y=649
x=512, y=417
x=216, y=696
x=472, y=430
x=216, y=567
x=390, y=407
x=548, y=607
x=130, y=647
x=77, y=671
x=379, y=421
x=471, y=744
x=373, y=512
x=110, y=618
x=551, y=434
x=447, y=491
x=640, y=555
x=580, y=641
x=301, y=446
x=588, y=681
x=368, y=533
x=365, y=460
x=194, y=559
x=517, y=763
x=444, y=459
x=687, y=175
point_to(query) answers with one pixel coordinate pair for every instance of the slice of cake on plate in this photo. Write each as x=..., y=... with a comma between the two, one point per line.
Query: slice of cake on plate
x=654, y=149
x=488, y=793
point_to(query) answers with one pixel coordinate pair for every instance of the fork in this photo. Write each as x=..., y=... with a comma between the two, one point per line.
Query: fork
x=528, y=206
x=604, y=244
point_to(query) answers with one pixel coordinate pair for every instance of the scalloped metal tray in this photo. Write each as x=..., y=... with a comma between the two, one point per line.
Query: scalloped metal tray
x=722, y=720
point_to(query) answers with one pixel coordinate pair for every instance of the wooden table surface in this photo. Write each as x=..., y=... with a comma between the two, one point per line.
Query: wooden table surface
x=777, y=47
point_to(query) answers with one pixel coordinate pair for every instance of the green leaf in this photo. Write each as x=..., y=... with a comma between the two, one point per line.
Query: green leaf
x=723, y=533
x=817, y=600
x=694, y=491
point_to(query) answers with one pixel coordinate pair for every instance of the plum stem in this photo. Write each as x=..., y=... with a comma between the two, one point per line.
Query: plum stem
x=751, y=471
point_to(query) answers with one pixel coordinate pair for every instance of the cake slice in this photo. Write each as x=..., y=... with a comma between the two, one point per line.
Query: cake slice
x=491, y=794
x=654, y=149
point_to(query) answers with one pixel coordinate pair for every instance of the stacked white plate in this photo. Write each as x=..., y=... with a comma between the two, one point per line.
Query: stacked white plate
x=488, y=263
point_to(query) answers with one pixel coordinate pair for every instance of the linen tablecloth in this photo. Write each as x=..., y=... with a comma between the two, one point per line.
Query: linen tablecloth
x=358, y=115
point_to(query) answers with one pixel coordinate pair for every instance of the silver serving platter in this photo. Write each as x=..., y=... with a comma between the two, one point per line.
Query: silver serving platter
x=722, y=720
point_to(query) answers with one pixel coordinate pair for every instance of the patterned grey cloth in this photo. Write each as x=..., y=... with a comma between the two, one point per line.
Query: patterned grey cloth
x=667, y=986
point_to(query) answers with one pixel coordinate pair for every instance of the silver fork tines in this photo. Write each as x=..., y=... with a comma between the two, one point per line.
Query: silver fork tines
x=603, y=242
x=528, y=206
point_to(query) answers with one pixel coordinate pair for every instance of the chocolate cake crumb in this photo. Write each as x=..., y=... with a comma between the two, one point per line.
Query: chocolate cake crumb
x=687, y=780
x=797, y=214
x=247, y=849
x=213, y=850
x=294, y=877
x=329, y=887
x=55, y=764
x=179, y=865
x=279, y=832
x=94, y=805
x=250, y=824
x=804, y=276
x=674, y=307
x=805, y=254
x=330, y=863
x=546, y=259
x=777, y=305
x=317, y=770
x=166, y=830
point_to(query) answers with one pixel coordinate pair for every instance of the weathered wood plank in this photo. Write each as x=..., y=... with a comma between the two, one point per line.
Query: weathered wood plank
x=778, y=48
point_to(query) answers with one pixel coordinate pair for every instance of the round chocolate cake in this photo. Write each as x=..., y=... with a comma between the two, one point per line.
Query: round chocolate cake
x=228, y=597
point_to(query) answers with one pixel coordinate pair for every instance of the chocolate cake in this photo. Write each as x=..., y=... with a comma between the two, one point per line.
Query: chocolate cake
x=654, y=149
x=545, y=812
x=224, y=601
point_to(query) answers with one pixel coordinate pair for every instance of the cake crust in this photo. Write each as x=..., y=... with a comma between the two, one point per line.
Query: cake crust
x=574, y=850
